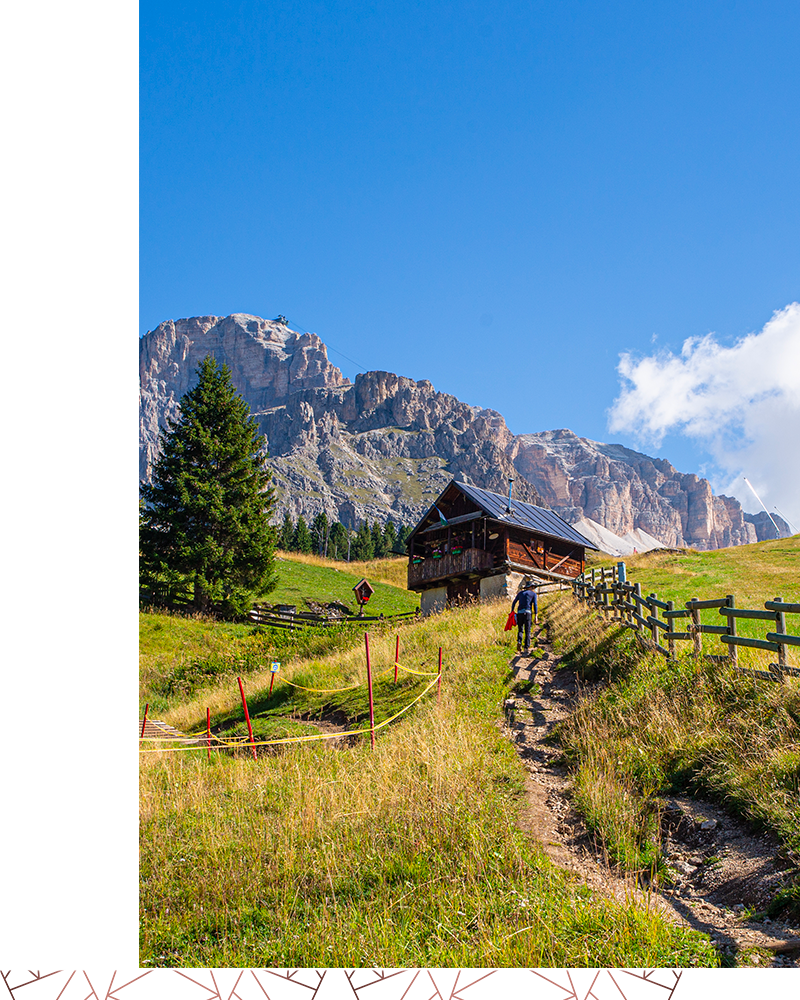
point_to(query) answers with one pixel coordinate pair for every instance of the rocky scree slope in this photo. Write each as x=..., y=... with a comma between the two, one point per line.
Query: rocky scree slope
x=387, y=445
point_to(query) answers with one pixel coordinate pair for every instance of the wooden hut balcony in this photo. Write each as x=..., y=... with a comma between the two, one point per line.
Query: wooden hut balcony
x=451, y=564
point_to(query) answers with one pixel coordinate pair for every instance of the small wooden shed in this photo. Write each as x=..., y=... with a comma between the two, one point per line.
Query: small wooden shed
x=472, y=544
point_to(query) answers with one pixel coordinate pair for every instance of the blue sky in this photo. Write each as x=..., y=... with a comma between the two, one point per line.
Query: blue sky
x=503, y=199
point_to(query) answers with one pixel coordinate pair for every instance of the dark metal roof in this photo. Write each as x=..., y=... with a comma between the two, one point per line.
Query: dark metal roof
x=524, y=515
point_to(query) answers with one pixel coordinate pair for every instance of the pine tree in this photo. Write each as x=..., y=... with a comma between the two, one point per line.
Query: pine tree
x=286, y=534
x=337, y=542
x=302, y=536
x=207, y=510
x=403, y=534
x=378, y=544
x=389, y=537
x=362, y=544
x=319, y=531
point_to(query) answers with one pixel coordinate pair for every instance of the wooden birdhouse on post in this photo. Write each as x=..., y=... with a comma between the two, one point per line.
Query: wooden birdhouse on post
x=363, y=592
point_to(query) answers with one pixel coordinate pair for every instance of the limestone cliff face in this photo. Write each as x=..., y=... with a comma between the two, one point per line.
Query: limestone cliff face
x=384, y=446
x=766, y=524
x=623, y=489
x=387, y=445
x=269, y=362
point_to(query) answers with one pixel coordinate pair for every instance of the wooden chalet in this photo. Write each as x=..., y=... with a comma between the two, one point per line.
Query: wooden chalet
x=472, y=545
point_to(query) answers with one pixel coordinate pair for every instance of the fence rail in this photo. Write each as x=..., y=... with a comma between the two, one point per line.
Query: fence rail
x=624, y=603
x=302, y=619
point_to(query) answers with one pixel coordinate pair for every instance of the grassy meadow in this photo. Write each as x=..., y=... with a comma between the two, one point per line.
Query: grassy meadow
x=657, y=728
x=301, y=576
x=185, y=655
x=754, y=573
x=335, y=854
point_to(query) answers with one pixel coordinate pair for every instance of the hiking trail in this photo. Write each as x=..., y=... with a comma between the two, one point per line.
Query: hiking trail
x=722, y=870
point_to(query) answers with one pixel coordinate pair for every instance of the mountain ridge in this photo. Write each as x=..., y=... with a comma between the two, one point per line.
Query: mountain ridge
x=385, y=445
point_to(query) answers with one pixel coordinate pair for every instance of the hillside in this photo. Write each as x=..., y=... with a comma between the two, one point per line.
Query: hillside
x=325, y=580
x=753, y=573
x=442, y=824
x=386, y=445
x=181, y=655
x=658, y=740
x=405, y=855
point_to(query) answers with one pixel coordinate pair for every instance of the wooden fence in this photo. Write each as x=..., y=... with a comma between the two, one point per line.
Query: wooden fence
x=291, y=618
x=624, y=603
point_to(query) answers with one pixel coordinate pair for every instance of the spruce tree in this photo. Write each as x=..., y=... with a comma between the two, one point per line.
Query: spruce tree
x=362, y=544
x=337, y=542
x=319, y=531
x=378, y=544
x=403, y=533
x=286, y=534
x=207, y=510
x=389, y=538
x=302, y=536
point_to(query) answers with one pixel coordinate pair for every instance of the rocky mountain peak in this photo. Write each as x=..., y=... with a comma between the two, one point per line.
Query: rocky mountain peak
x=269, y=363
x=386, y=445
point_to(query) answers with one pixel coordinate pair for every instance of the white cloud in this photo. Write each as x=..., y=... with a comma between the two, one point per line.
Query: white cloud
x=741, y=403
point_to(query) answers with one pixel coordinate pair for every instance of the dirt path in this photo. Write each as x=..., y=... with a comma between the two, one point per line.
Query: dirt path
x=722, y=870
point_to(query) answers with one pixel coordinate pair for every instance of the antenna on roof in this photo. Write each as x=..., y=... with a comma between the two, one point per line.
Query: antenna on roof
x=509, y=508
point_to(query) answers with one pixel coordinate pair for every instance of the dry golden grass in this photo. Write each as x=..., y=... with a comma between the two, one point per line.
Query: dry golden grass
x=661, y=727
x=408, y=855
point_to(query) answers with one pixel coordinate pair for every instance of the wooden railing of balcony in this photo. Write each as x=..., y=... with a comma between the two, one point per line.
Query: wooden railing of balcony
x=468, y=561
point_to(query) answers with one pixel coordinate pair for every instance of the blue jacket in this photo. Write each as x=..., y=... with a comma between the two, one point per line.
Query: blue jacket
x=526, y=600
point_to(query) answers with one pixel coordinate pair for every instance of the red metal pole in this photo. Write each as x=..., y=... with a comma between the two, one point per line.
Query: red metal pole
x=271, y=682
x=247, y=716
x=439, y=684
x=396, y=657
x=144, y=721
x=369, y=685
x=208, y=730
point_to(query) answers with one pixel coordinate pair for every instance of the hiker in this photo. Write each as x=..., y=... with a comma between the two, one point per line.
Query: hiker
x=528, y=604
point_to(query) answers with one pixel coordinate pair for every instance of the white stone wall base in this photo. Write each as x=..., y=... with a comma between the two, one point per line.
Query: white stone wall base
x=433, y=601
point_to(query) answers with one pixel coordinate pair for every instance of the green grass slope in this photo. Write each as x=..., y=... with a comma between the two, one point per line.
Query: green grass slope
x=406, y=855
x=183, y=656
x=694, y=726
x=752, y=573
x=324, y=580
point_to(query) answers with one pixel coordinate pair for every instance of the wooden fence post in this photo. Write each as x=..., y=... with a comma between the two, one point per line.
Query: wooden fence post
x=780, y=627
x=694, y=628
x=653, y=614
x=733, y=652
x=671, y=622
x=637, y=591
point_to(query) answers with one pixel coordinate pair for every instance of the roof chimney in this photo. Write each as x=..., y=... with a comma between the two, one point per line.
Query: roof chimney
x=510, y=488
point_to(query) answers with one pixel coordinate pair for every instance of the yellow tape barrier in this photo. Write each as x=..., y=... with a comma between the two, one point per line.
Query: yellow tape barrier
x=353, y=687
x=319, y=690
x=295, y=739
x=419, y=673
